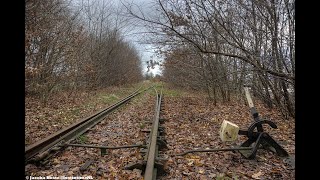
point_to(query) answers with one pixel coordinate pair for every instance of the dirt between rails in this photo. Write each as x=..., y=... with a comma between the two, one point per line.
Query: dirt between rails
x=191, y=122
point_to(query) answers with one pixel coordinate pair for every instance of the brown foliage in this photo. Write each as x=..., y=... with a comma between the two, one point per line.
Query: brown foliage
x=65, y=50
x=229, y=44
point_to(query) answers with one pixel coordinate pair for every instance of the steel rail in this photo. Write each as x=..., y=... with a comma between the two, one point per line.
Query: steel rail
x=151, y=171
x=42, y=148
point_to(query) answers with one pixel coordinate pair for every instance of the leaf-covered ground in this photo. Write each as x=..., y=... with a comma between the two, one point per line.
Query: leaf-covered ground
x=191, y=122
x=122, y=127
x=43, y=119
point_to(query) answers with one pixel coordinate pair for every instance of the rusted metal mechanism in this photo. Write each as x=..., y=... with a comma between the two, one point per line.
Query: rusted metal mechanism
x=259, y=138
x=151, y=165
x=39, y=152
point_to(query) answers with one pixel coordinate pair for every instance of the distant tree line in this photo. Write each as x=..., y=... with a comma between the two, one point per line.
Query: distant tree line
x=221, y=45
x=73, y=45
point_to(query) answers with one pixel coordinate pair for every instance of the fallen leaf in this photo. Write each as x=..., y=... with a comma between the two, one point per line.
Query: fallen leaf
x=190, y=162
x=256, y=175
x=201, y=171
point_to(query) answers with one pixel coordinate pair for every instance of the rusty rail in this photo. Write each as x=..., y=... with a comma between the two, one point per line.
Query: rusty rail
x=51, y=144
x=151, y=170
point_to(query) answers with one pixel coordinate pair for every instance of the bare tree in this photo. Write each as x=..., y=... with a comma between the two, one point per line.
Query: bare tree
x=238, y=42
x=73, y=46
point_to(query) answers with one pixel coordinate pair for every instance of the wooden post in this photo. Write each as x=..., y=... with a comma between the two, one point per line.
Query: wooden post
x=246, y=90
x=253, y=110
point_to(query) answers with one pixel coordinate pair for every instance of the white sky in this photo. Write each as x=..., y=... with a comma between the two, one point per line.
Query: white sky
x=146, y=50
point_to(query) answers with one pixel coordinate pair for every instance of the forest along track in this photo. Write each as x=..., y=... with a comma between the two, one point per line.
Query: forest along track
x=120, y=128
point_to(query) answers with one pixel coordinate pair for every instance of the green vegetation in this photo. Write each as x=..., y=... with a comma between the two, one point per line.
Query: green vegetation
x=75, y=111
x=168, y=92
x=82, y=139
x=110, y=98
x=173, y=92
x=142, y=125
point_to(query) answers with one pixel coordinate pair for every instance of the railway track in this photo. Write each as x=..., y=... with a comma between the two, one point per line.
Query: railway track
x=151, y=164
x=130, y=144
x=153, y=146
x=46, y=147
x=42, y=151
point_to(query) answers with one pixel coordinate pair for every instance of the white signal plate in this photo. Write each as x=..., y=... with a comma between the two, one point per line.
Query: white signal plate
x=228, y=131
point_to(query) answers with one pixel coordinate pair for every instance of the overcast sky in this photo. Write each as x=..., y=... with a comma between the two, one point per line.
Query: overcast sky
x=136, y=34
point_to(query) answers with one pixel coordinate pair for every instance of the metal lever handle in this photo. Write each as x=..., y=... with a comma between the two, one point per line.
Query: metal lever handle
x=259, y=123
